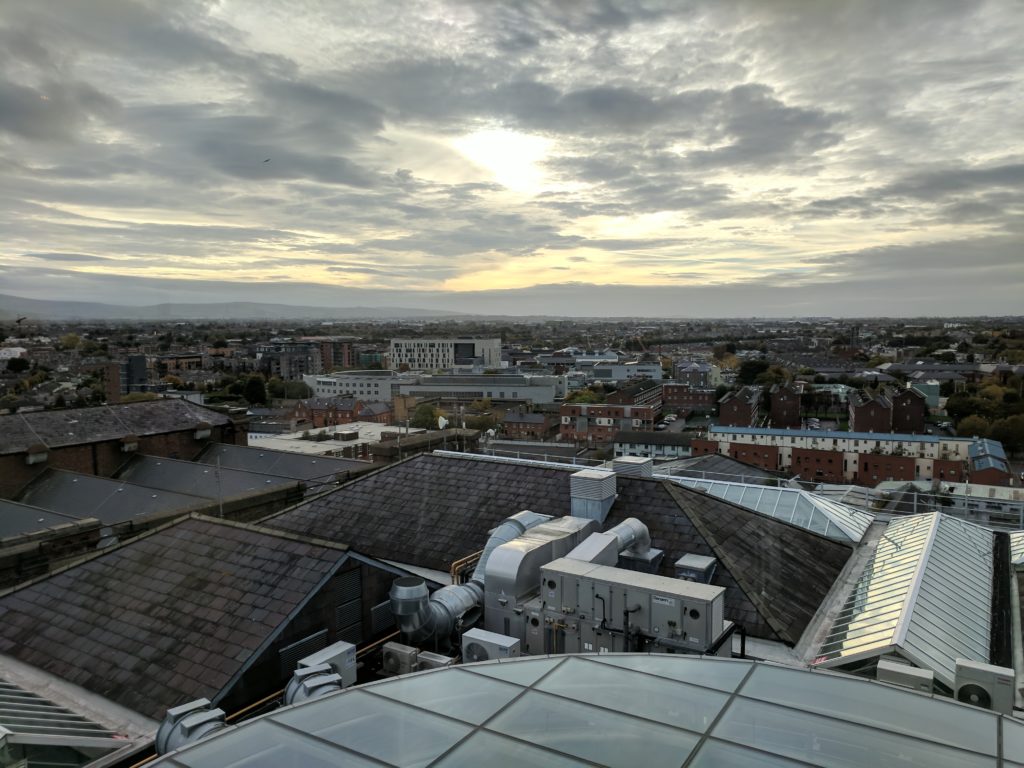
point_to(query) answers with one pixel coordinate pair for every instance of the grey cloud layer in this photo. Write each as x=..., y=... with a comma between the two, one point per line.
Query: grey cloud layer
x=895, y=115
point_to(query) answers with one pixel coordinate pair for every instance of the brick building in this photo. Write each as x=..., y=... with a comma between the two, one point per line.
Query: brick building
x=785, y=405
x=527, y=426
x=332, y=411
x=677, y=397
x=599, y=422
x=99, y=440
x=645, y=392
x=740, y=409
x=909, y=411
x=869, y=412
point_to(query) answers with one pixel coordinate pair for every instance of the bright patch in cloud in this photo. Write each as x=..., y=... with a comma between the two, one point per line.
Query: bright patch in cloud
x=510, y=157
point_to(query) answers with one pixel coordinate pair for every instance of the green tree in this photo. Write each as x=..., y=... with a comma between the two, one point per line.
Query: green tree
x=583, y=396
x=425, y=416
x=18, y=365
x=70, y=341
x=275, y=387
x=255, y=390
x=750, y=369
x=297, y=390
x=973, y=426
x=1009, y=432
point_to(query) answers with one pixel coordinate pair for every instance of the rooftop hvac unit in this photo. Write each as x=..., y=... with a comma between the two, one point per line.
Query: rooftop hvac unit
x=400, y=659
x=428, y=660
x=633, y=466
x=340, y=656
x=481, y=645
x=897, y=673
x=699, y=568
x=592, y=493
x=984, y=685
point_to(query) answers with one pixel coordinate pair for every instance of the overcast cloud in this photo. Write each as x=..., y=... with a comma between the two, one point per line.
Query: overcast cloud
x=759, y=158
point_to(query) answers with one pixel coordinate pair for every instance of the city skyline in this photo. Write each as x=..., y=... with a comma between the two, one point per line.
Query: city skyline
x=772, y=159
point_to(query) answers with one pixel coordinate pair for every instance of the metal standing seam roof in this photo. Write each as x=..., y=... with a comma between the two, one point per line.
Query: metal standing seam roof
x=18, y=518
x=617, y=710
x=926, y=594
x=815, y=513
x=204, y=480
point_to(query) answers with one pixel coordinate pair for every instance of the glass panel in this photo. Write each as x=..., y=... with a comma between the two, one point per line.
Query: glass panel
x=734, y=493
x=823, y=741
x=666, y=701
x=716, y=754
x=605, y=737
x=711, y=673
x=483, y=748
x=516, y=671
x=453, y=693
x=862, y=701
x=265, y=745
x=377, y=727
x=787, y=503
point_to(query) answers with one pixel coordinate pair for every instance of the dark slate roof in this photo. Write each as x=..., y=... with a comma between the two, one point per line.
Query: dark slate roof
x=652, y=438
x=715, y=466
x=514, y=417
x=431, y=510
x=76, y=426
x=109, y=501
x=16, y=519
x=282, y=463
x=200, y=479
x=166, y=618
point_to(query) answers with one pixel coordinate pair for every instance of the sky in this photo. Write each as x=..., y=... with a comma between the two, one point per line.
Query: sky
x=758, y=157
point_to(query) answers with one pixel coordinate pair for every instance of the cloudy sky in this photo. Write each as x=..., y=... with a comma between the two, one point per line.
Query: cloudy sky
x=728, y=158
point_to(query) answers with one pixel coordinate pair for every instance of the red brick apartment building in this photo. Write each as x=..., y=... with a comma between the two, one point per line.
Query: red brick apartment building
x=527, y=426
x=330, y=412
x=599, y=423
x=785, y=405
x=739, y=409
x=644, y=392
x=676, y=397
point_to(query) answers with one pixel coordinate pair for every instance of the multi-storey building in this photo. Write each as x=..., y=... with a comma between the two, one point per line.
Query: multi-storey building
x=740, y=409
x=699, y=375
x=368, y=386
x=864, y=458
x=498, y=387
x=909, y=411
x=527, y=426
x=290, y=361
x=869, y=412
x=600, y=422
x=439, y=354
x=644, y=392
x=335, y=351
x=682, y=397
x=785, y=405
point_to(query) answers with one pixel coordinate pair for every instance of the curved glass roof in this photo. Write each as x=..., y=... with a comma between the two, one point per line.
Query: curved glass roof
x=616, y=710
x=926, y=594
x=808, y=510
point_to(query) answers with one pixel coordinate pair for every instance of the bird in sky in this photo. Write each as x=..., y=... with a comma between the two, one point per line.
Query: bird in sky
x=18, y=321
x=267, y=160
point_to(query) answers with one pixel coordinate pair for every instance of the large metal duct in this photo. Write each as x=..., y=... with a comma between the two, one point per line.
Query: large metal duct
x=422, y=616
x=632, y=535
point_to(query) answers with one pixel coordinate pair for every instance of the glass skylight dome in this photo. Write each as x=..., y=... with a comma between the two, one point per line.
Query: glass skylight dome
x=617, y=710
x=808, y=510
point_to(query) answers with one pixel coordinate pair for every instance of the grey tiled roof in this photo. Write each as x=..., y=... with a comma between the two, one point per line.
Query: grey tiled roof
x=18, y=518
x=718, y=467
x=282, y=463
x=76, y=426
x=200, y=479
x=431, y=510
x=166, y=618
x=109, y=501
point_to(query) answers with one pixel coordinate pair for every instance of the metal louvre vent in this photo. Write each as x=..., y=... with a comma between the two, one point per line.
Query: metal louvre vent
x=348, y=613
x=290, y=655
x=349, y=585
x=381, y=618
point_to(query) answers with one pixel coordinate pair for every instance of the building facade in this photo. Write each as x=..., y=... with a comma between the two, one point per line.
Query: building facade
x=440, y=354
x=598, y=423
x=785, y=405
x=740, y=409
x=677, y=397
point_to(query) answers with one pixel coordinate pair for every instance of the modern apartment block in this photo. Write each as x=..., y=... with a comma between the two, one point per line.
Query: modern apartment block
x=438, y=354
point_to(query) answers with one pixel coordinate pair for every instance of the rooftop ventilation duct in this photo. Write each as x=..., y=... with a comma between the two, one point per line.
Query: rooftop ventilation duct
x=422, y=616
x=592, y=493
x=37, y=454
x=630, y=537
x=312, y=683
x=633, y=466
x=187, y=723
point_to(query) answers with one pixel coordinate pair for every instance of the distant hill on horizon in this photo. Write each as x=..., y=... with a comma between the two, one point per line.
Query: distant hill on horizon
x=36, y=309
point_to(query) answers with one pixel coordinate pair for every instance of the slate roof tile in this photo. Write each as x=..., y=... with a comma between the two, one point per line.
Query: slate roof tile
x=167, y=603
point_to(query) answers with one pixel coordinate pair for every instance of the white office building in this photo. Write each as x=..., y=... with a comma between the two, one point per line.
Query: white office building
x=439, y=354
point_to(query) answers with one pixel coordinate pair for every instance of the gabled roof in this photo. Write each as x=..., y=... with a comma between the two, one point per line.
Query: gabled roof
x=926, y=594
x=200, y=479
x=281, y=463
x=75, y=426
x=166, y=618
x=109, y=501
x=430, y=510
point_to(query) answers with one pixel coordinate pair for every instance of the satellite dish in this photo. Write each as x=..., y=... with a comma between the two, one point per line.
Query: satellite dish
x=442, y=422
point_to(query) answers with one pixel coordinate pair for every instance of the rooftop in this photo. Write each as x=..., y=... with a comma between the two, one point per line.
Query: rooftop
x=200, y=479
x=830, y=434
x=166, y=618
x=621, y=709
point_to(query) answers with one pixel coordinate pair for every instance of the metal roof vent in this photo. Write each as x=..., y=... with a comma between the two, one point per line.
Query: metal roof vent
x=634, y=466
x=699, y=568
x=312, y=683
x=203, y=430
x=129, y=444
x=187, y=723
x=592, y=493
